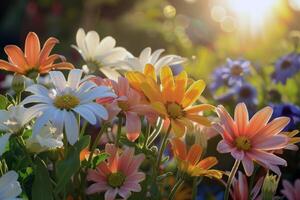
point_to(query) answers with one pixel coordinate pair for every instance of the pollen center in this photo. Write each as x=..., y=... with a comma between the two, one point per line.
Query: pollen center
x=243, y=143
x=286, y=64
x=174, y=110
x=116, y=179
x=123, y=105
x=66, y=101
x=236, y=70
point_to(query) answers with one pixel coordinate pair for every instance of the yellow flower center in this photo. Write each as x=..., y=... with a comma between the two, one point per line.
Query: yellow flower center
x=243, y=143
x=66, y=101
x=236, y=70
x=174, y=110
x=123, y=105
x=116, y=179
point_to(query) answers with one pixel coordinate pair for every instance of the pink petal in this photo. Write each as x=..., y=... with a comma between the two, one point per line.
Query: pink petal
x=102, y=167
x=241, y=117
x=237, y=154
x=123, y=86
x=248, y=165
x=224, y=147
x=136, y=177
x=274, y=127
x=124, y=193
x=96, y=188
x=93, y=175
x=132, y=186
x=125, y=159
x=141, y=109
x=111, y=194
x=270, y=143
x=133, y=126
x=135, y=164
x=297, y=188
x=113, y=157
x=227, y=121
x=225, y=135
x=243, y=186
x=257, y=187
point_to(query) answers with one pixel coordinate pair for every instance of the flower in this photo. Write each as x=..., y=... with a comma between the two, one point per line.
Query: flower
x=11, y=122
x=269, y=187
x=118, y=175
x=68, y=97
x=128, y=103
x=9, y=186
x=285, y=67
x=247, y=93
x=190, y=163
x=217, y=79
x=289, y=110
x=172, y=101
x=252, y=140
x=240, y=188
x=99, y=55
x=48, y=138
x=291, y=192
x=235, y=70
x=148, y=58
x=34, y=60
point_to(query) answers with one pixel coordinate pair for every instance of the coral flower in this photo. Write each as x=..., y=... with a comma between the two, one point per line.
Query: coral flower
x=128, y=102
x=190, y=163
x=34, y=60
x=240, y=188
x=291, y=192
x=118, y=175
x=253, y=140
x=172, y=101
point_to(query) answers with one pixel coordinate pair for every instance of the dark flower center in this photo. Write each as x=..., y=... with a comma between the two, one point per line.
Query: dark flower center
x=236, y=70
x=116, y=179
x=174, y=110
x=245, y=92
x=123, y=105
x=286, y=64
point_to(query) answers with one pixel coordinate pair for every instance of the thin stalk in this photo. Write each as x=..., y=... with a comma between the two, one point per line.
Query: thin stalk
x=175, y=188
x=83, y=129
x=119, y=131
x=162, y=147
x=155, y=132
x=230, y=178
x=148, y=129
x=195, y=188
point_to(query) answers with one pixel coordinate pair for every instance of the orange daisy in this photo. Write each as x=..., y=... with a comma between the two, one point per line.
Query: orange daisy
x=171, y=100
x=190, y=163
x=34, y=60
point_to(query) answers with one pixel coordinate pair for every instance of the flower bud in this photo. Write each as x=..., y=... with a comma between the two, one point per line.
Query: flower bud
x=197, y=135
x=18, y=83
x=269, y=187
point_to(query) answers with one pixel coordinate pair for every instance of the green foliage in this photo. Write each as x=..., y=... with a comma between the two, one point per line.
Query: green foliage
x=3, y=102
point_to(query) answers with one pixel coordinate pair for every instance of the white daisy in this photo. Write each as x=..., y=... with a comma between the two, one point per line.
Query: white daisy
x=9, y=186
x=146, y=57
x=49, y=138
x=12, y=121
x=98, y=54
x=60, y=105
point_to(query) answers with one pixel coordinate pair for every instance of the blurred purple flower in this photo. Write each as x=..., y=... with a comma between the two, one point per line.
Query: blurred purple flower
x=286, y=67
x=235, y=70
x=247, y=94
x=218, y=79
x=289, y=110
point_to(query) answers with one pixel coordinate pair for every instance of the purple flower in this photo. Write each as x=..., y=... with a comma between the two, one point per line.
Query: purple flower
x=247, y=94
x=235, y=70
x=289, y=110
x=218, y=79
x=286, y=67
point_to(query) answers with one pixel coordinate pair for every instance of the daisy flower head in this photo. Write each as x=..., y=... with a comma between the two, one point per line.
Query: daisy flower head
x=146, y=57
x=68, y=98
x=254, y=139
x=118, y=175
x=10, y=188
x=291, y=191
x=235, y=70
x=189, y=160
x=173, y=101
x=99, y=54
x=128, y=103
x=34, y=60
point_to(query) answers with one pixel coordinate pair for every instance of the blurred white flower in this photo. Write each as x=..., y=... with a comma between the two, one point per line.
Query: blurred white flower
x=68, y=98
x=12, y=121
x=9, y=186
x=101, y=55
x=146, y=57
x=48, y=138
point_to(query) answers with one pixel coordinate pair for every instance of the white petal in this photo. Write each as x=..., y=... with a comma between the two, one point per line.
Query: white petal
x=71, y=126
x=9, y=186
x=37, y=99
x=3, y=141
x=35, y=110
x=38, y=90
x=106, y=43
x=80, y=36
x=145, y=55
x=58, y=80
x=58, y=120
x=165, y=60
x=4, y=116
x=110, y=73
x=85, y=86
x=92, y=40
x=155, y=55
x=97, y=92
x=109, y=58
x=86, y=113
x=42, y=120
x=98, y=110
x=74, y=78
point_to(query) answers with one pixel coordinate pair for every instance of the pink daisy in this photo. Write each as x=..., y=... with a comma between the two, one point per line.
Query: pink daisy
x=240, y=188
x=291, y=192
x=252, y=140
x=118, y=175
x=128, y=102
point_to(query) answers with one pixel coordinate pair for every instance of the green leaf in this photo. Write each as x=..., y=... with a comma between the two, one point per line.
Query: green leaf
x=42, y=188
x=71, y=164
x=98, y=159
x=3, y=102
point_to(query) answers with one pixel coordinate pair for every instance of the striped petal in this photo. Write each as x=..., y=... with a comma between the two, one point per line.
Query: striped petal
x=32, y=49
x=193, y=93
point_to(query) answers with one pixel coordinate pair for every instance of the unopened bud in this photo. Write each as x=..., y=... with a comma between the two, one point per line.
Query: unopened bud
x=18, y=83
x=269, y=187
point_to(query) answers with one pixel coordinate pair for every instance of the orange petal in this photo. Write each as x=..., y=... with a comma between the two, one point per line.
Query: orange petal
x=9, y=67
x=180, y=86
x=135, y=79
x=274, y=127
x=193, y=93
x=178, y=128
x=199, y=119
x=167, y=82
x=32, y=49
x=208, y=162
x=61, y=66
x=194, y=154
x=159, y=108
x=200, y=108
x=47, y=48
x=51, y=59
x=241, y=117
x=152, y=93
x=149, y=71
x=179, y=148
x=16, y=56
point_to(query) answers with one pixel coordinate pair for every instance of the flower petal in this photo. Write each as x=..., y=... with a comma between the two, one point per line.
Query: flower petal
x=133, y=126
x=193, y=93
x=241, y=117
x=16, y=56
x=71, y=126
x=32, y=49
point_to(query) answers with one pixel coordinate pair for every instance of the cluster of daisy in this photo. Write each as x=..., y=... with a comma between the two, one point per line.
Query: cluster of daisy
x=140, y=106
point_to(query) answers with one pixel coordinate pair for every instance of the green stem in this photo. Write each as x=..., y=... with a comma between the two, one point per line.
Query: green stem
x=119, y=131
x=252, y=180
x=162, y=147
x=195, y=188
x=175, y=188
x=230, y=178
x=83, y=129
x=148, y=129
